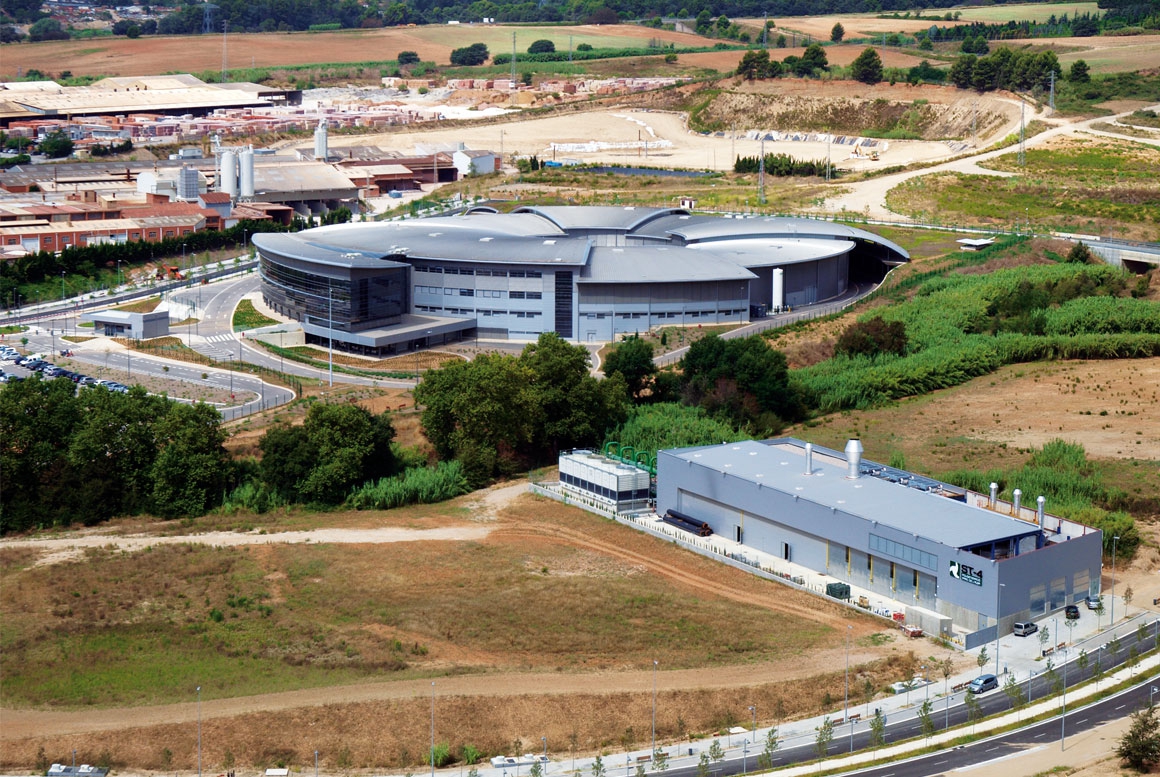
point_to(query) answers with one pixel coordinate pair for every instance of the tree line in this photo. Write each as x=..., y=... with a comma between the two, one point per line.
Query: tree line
x=69, y=456
x=90, y=261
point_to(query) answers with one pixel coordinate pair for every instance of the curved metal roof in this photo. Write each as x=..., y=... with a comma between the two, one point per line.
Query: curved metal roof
x=673, y=246
x=599, y=217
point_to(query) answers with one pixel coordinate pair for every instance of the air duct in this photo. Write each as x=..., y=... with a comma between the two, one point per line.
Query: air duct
x=1018, y=495
x=854, y=459
x=1040, y=502
x=994, y=495
x=809, y=459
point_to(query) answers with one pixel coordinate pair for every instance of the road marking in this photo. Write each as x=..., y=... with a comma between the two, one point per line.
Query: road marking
x=1041, y=734
x=1000, y=758
x=1121, y=706
x=1085, y=720
x=989, y=749
x=936, y=763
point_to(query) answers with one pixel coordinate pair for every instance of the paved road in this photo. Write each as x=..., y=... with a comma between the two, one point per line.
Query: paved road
x=869, y=197
x=948, y=712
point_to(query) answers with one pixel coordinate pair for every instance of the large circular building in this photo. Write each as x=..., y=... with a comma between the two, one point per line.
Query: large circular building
x=586, y=273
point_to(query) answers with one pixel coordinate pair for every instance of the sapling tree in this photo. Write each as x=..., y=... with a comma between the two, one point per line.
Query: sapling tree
x=878, y=729
x=825, y=736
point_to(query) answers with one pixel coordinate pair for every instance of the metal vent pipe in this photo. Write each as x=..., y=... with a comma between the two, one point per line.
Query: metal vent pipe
x=854, y=459
x=1018, y=498
x=809, y=459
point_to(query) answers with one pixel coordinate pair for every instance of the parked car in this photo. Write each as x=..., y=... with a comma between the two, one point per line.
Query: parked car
x=1024, y=629
x=1071, y=612
x=983, y=683
x=87, y=381
x=1094, y=602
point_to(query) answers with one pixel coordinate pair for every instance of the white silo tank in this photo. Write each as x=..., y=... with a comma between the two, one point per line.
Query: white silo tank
x=228, y=182
x=321, y=151
x=187, y=184
x=778, y=288
x=246, y=187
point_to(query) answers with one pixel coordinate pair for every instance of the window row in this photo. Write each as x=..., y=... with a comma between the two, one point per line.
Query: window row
x=430, y=268
x=914, y=556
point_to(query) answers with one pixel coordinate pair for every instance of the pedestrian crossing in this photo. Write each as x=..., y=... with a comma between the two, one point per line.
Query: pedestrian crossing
x=224, y=338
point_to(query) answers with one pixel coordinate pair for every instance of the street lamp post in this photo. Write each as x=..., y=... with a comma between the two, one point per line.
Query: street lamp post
x=1112, y=617
x=654, y=710
x=433, y=729
x=846, y=704
x=1063, y=717
x=199, y=731
x=315, y=763
x=998, y=621
x=62, y=284
x=744, y=755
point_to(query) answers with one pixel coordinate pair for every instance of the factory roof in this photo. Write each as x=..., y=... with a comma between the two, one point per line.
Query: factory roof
x=770, y=252
x=285, y=177
x=598, y=217
x=780, y=465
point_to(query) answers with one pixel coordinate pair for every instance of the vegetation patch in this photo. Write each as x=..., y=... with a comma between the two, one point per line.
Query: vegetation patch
x=246, y=317
x=1093, y=186
x=147, y=305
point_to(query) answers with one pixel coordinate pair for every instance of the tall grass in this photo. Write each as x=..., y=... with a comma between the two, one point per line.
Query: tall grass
x=671, y=425
x=1061, y=472
x=421, y=485
x=960, y=327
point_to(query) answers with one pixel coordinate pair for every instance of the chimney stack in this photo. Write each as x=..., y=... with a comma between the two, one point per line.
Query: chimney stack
x=809, y=459
x=854, y=459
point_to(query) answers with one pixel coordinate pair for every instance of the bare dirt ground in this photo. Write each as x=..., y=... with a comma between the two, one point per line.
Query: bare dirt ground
x=678, y=147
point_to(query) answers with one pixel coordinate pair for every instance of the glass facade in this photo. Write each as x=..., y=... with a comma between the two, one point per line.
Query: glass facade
x=353, y=304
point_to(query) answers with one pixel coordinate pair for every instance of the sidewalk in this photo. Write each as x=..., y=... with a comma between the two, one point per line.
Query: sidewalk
x=745, y=744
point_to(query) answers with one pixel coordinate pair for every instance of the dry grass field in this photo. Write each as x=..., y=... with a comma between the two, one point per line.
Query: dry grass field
x=548, y=625
x=433, y=43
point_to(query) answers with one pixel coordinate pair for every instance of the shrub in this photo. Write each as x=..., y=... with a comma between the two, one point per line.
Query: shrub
x=469, y=56
x=408, y=58
x=542, y=46
x=872, y=337
x=423, y=485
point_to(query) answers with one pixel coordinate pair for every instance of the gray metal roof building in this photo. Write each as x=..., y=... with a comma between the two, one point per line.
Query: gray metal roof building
x=586, y=273
x=952, y=558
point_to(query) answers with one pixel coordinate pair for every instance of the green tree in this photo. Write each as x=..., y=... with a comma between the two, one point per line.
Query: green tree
x=824, y=737
x=867, y=68
x=598, y=769
x=542, y=46
x=192, y=465
x=812, y=60
x=703, y=765
x=1139, y=747
x=1079, y=73
x=962, y=72
x=765, y=760
x=353, y=446
x=1079, y=254
x=470, y=56
x=837, y=32
x=754, y=65
x=716, y=752
x=408, y=58
x=974, y=709
x=660, y=760
x=1013, y=691
x=982, y=658
x=925, y=719
x=632, y=358
x=878, y=729
x=56, y=145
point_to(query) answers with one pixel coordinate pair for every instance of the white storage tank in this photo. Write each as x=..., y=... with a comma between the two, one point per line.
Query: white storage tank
x=228, y=180
x=246, y=183
x=321, y=151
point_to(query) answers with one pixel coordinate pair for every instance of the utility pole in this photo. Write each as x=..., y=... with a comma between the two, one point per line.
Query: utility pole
x=829, y=140
x=765, y=31
x=513, y=60
x=1052, y=103
x=225, y=29
x=569, y=48
x=329, y=329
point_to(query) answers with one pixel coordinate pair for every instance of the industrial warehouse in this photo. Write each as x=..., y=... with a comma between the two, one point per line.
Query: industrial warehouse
x=932, y=555
x=588, y=273
x=952, y=560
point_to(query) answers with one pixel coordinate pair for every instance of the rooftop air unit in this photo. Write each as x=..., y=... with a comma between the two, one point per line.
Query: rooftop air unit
x=187, y=184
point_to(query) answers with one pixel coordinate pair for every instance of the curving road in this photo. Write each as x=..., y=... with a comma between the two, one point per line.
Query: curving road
x=868, y=198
